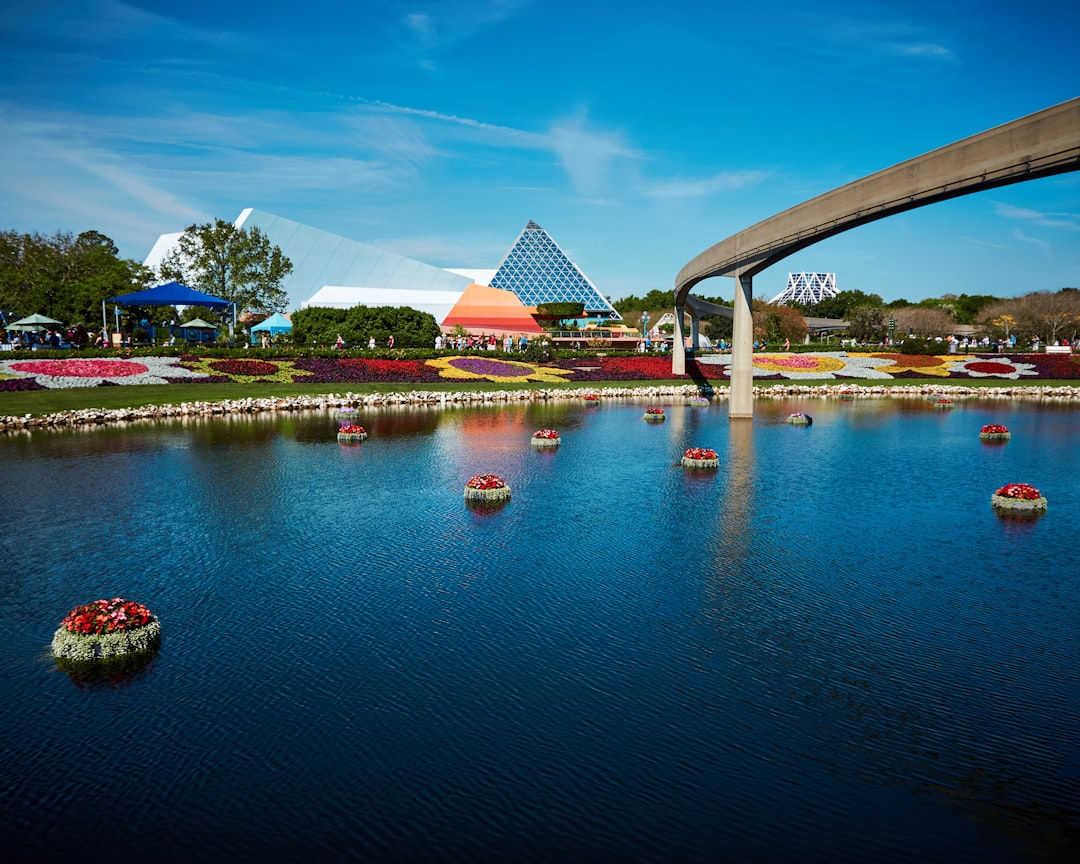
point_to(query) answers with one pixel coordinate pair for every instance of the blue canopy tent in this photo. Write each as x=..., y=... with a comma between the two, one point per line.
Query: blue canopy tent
x=170, y=294
x=276, y=323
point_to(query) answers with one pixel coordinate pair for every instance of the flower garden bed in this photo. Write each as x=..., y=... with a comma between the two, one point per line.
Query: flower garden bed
x=106, y=629
x=800, y=419
x=60, y=372
x=700, y=457
x=943, y=403
x=655, y=415
x=351, y=432
x=545, y=438
x=1018, y=498
x=486, y=489
x=995, y=432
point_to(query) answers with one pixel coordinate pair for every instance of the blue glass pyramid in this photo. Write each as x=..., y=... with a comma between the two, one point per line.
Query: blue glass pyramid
x=538, y=271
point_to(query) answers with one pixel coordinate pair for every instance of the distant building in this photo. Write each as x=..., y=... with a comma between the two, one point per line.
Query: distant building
x=807, y=288
x=336, y=272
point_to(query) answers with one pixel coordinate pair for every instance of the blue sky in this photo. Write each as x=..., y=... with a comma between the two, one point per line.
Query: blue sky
x=636, y=133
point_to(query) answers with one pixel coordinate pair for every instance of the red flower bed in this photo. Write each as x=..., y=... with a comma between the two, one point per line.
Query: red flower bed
x=106, y=616
x=1025, y=491
x=486, y=481
x=548, y=434
x=994, y=429
x=351, y=429
x=699, y=453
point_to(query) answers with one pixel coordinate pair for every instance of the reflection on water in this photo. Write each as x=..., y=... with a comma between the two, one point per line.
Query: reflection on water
x=829, y=649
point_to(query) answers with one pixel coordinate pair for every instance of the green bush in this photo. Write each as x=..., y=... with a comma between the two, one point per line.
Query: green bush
x=914, y=345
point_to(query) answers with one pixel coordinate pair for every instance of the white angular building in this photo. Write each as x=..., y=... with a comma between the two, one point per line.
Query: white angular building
x=807, y=288
x=333, y=271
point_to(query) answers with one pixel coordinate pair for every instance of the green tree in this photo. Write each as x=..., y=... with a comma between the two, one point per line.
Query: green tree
x=409, y=327
x=840, y=305
x=240, y=265
x=63, y=276
x=867, y=323
x=775, y=323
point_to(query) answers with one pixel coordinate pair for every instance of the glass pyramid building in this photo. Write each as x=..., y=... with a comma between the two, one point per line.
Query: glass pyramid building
x=538, y=271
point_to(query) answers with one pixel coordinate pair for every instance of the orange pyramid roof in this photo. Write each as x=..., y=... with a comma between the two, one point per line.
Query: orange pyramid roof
x=491, y=310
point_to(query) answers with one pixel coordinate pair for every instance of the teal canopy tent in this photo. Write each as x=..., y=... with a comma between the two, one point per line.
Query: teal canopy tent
x=276, y=323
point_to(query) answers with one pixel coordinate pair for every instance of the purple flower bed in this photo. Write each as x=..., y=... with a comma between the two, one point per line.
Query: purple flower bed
x=10, y=385
x=355, y=371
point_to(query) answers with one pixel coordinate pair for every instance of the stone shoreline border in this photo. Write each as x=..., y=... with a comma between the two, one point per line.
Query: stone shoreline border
x=444, y=399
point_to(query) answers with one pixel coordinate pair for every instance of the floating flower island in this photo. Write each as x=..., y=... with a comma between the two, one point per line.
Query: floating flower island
x=847, y=395
x=486, y=489
x=591, y=401
x=800, y=419
x=995, y=432
x=346, y=413
x=351, y=432
x=700, y=457
x=1019, y=499
x=106, y=629
x=699, y=400
x=655, y=415
x=546, y=438
x=943, y=403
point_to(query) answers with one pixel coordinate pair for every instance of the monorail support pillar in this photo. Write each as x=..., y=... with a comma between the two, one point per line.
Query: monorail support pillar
x=678, y=344
x=741, y=399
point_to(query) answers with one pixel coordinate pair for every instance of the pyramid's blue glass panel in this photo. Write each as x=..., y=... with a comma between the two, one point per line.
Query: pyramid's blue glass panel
x=538, y=271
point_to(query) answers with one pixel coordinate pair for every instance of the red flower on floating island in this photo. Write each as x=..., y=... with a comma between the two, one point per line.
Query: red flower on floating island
x=943, y=402
x=994, y=429
x=700, y=453
x=592, y=398
x=351, y=429
x=659, y=411
x=486, y=481
x=1023, y=491
x=106, y=616
x=546, y=434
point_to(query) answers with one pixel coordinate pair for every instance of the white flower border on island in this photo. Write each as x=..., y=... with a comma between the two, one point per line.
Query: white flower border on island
x=501, y=493
x=95, y=646
x=854, y=367
x=1020, y=505
x=158, y=369
x=1020, y=368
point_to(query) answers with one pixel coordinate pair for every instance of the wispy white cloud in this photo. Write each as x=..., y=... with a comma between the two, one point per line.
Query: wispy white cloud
x=928, y=50
x=1070, y=221
x=588, y=155
x=862, y=39
x=704, y=187
x=101, y=26
x=439, y=27
x=979, y=242
x=1042, y=244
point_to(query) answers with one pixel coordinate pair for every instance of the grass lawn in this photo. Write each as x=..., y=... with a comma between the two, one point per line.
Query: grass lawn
x=41, y=402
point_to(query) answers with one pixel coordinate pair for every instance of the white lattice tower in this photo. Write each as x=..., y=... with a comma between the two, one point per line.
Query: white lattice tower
x=807, y=288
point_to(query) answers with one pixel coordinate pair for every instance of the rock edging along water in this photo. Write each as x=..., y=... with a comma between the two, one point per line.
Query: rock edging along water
x=442, y=399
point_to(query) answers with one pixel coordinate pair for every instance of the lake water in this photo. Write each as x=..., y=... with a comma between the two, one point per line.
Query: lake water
x=831, y=649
